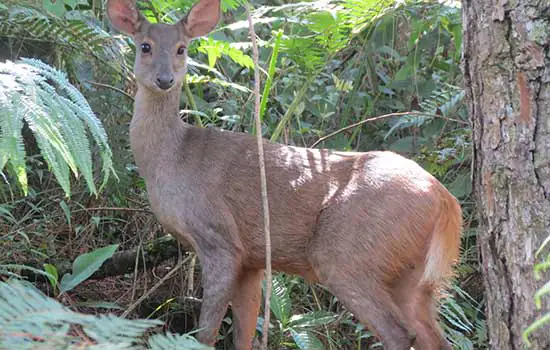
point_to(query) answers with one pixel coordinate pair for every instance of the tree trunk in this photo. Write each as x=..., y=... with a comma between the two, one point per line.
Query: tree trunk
x=507, y=78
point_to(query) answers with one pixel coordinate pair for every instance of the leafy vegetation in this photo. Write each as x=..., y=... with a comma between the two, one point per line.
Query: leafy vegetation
x=31, y=320
x=543, y=292
x=57, y=114
x=329, y=64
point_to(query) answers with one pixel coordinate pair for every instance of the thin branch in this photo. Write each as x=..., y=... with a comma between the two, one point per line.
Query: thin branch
x=112, y=88
x=265, y=202
x=155, y=287
x=114, y=209
x=389, y=115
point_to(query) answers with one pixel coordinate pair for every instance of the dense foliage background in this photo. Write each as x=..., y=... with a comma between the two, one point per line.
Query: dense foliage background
x=328, y=64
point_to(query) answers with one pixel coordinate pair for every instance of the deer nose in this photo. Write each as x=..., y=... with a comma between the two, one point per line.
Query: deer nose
x=165, y=81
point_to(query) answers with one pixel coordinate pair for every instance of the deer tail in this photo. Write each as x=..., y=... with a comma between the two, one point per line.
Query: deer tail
x=444, y=246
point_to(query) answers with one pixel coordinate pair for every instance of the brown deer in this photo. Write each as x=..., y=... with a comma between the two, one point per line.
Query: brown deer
x=376, y=229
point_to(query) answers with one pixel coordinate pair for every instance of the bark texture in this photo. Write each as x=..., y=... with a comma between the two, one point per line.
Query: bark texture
x=507, y=79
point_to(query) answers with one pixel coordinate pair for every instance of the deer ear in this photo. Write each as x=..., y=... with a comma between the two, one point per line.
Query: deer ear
x=202, y=18
x=124, y=15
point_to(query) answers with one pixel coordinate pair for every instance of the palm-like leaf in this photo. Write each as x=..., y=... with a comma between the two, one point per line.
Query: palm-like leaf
x=280, y=300
x=306, y=340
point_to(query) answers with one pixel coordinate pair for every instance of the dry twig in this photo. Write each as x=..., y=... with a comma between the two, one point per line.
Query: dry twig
x=373, y=119
x=155, y=287
x=265, y=202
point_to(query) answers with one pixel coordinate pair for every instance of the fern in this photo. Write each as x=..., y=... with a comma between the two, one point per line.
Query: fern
x=76, y=35
x=31, y=320
x=57, y=114
x=175, y=341
x=444, y=101
x=542, y=292
x=321, y=28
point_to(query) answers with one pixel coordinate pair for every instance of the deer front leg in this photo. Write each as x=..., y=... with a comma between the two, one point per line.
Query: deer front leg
x=219, y=276
x=245, y=305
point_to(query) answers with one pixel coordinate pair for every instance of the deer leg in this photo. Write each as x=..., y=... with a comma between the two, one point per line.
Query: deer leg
x=422, y=315
x=375, y=308
x=219, y=276
x=245, y=305
x=415, y=300
x=346, y=268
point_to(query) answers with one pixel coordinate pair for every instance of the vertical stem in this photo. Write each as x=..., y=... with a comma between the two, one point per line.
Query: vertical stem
x=265, y=203
x=270, y=75
x=291, y=109
x=191, y=101
x=271, y=71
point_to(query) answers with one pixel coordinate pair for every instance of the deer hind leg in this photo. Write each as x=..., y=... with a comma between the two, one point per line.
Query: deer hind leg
x=364, y=295
x=375, y=309
x=245, y=305
x=427, y=325
x=345, y=261
x=416, y=300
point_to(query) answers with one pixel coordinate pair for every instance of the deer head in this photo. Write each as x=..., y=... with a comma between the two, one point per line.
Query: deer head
x=161, y=49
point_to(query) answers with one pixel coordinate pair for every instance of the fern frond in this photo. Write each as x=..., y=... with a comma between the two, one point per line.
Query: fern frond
x=31, y=320
x=75, y=104
x=174, y=341
x=11, y=140
x=78, y=35
x=445, y=101
x=57, y=114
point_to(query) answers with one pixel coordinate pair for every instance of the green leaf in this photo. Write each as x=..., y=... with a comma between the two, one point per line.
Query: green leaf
x=541, y=322
x=280, y=300
x=53, y=276
x=85, y=265
x=66, y=210
x=5, y=213
x=461, y=186
x=540, y=293
x=56, y=7
x=403, y=74
x=30, y=268
x=74, y=3
x=312, y=319
x=215, y=48
x=407, y=144
x=542, y=246
x=175, y=341
x=306, y=340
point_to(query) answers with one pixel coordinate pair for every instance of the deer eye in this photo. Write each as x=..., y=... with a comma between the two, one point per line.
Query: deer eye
x=145, y=48
x=181, y=50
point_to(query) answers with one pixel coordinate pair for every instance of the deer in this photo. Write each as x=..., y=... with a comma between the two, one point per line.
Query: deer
x=376, y=229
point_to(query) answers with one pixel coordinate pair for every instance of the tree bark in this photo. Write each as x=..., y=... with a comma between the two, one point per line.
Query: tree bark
x=507, y=80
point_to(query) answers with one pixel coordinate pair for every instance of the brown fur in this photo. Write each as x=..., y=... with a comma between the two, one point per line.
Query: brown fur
x=375, y=228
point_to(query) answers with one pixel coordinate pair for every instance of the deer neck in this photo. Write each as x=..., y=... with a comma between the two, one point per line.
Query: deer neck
x=156, y=130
